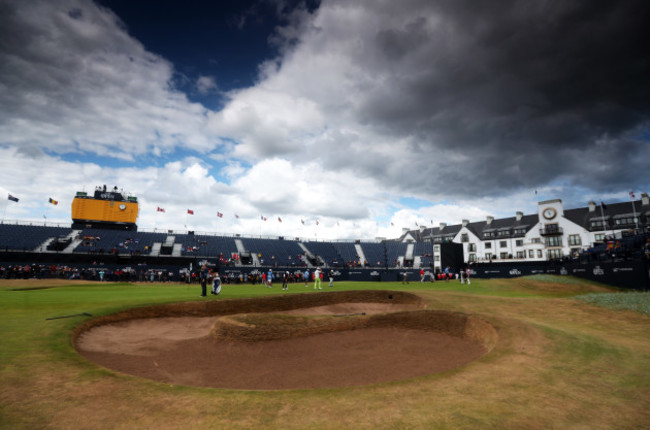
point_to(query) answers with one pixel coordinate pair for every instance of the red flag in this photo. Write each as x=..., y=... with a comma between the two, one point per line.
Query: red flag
x=219, y=214
x=236, y=216
x=279, y=219
x=160, y=209
x=632, y=194
x=54, y=202
x=190, y=211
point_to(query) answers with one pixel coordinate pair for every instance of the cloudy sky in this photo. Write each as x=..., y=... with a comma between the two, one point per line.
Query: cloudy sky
x=356, y=118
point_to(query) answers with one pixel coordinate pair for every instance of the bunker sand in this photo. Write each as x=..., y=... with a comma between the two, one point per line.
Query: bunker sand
x=354, y=339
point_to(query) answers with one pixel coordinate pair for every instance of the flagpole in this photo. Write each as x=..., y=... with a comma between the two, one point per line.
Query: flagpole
x=636, y=221
x=602, y=214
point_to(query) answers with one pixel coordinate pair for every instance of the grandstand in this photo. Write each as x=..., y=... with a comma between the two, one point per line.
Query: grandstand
x=620, y=232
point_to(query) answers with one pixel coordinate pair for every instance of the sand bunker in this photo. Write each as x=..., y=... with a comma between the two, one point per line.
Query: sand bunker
x=298, y=341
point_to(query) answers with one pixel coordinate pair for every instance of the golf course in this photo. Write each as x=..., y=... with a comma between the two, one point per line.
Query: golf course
x=548, y=353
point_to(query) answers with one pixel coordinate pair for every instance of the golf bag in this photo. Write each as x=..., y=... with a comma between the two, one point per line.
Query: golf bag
x=216, y=286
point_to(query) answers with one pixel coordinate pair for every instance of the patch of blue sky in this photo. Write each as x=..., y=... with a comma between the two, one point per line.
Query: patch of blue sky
x=413, y=202
x=90, y=157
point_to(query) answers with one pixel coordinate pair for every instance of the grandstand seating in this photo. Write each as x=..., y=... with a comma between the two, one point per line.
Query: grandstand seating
x=375, y=253
x=348, y=252
x=274, y=252
x=28, y=237
x=96, y=240
x=205, y=245
x=327, y=252
x=394, y=250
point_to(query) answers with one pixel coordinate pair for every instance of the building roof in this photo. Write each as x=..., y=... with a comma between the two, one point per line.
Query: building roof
x=580, y=216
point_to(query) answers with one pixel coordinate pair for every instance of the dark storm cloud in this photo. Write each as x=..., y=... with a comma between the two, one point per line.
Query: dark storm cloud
x=531, y=91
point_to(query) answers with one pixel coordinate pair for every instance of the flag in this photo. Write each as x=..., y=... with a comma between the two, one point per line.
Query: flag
x=54, y=202
x=416, y=224
x=279, y=219
x=632, y=196
x=603, y=205
x=316, y=222
x=392, y=224
x=190, y=211
x=236, y=216
x=219, y=214
x=12, y=198
x=302, y=221
x=160, y=209
x=263, y=218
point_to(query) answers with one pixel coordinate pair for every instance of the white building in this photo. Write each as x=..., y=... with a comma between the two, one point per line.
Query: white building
x=552, y=233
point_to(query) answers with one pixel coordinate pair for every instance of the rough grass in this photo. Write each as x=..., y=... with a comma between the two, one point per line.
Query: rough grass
x=633, y=301
x=559, y=363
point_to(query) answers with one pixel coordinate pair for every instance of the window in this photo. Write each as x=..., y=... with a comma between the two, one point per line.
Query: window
x=464, y=237
x=536, y=240
x=488, y=245
x=472, y=257
x=598, y=223
x=554, y=254
x=488, y=234
x=531, y=253
x=521, y=254
x=520, y=232
x=539, y=253
x=574, y=240
x=552, y=228
x=471, y=247
x=554, y=241
x=436, y=248
x=628, y=220
x=436, y=258
x=488, y=256
x=503, y=233
x=519, y=242
x=503, y=244
x=504, y=255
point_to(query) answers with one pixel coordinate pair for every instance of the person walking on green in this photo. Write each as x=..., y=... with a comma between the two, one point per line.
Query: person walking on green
x=317, y=274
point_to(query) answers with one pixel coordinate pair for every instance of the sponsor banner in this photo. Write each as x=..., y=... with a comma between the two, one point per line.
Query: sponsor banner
x=623, y=274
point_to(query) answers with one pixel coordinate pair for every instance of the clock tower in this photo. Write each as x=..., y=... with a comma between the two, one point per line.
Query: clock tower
x=550, y=211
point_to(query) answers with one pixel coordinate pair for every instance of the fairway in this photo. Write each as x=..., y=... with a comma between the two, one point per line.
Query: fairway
x=559, y=362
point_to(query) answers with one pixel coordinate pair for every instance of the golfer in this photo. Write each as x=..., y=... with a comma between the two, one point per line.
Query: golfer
x=317, y=273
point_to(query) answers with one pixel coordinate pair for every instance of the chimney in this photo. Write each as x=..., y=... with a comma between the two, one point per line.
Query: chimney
x=645, y=200
x=465, y=222
x=490, y=219
x=520, y=215
x=443, y=225
x=592, y=206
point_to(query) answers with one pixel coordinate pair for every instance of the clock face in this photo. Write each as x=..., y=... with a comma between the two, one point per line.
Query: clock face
x=549, y=213
x=122, y=207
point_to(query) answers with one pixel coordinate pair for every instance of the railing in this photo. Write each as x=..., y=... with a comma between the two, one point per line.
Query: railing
x=551, y=231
